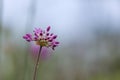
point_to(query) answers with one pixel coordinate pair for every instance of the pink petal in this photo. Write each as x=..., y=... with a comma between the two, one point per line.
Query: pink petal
x=48, y=28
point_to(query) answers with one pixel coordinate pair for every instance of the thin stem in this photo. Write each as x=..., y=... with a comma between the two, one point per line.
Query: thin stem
x=36, y=65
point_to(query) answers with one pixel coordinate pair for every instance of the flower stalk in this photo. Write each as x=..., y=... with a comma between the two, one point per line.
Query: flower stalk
x=37, y=63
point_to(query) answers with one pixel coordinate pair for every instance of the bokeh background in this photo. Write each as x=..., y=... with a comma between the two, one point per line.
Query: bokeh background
x=88, y=31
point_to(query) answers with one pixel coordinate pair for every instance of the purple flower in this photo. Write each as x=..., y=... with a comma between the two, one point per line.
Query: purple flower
x=43, y=38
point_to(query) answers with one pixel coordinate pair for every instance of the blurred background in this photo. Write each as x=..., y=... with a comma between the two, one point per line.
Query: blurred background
x=88, y=32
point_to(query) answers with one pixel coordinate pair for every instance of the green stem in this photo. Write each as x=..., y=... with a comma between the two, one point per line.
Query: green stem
x=36, y=65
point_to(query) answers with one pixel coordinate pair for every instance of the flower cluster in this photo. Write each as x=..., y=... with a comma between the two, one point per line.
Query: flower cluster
x=42, y=38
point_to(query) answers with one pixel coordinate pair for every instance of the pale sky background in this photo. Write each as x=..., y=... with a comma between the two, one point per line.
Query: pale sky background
x=70, y=19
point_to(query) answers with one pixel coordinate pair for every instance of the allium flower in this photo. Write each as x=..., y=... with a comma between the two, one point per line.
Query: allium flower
x=42, y=38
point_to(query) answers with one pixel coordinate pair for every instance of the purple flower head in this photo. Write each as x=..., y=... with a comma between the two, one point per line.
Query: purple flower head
x=43, y=38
